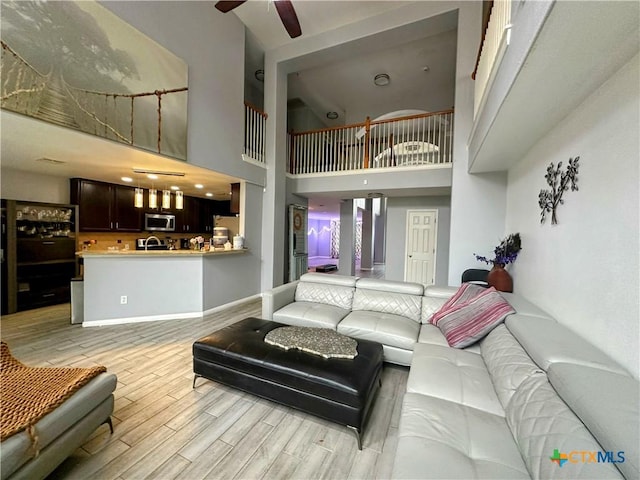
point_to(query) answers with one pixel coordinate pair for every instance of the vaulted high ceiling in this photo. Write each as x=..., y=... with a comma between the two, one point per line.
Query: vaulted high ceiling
x=421, y=70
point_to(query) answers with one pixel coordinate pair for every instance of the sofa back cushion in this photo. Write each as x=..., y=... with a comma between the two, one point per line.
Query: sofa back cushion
x=546, y=341
x=430, y=305
x=329, y=279
x=335, y=295
x=543, y=426
x=523, y=306
x=386, y=296
x=607, y=403
x=507, y=362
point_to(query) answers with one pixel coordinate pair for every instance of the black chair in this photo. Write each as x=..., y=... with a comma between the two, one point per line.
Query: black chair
x=475, y=275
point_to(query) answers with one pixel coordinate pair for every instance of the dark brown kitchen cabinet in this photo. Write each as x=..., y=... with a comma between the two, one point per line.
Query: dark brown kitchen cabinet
x=105, y=207
x=126, y=217
x=234, y=207
x=196, y=217
x=188, y=221
x=94, y=200
x=207, y=211
x=223, y=208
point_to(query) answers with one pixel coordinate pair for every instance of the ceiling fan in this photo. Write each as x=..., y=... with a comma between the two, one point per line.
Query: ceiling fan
x=284, y=8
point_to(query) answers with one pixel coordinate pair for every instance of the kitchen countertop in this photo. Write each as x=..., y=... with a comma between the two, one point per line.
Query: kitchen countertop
x=157, y=253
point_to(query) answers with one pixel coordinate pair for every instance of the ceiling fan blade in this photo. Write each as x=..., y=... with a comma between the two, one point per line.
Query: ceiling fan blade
x=225, y=7
x=288, y=17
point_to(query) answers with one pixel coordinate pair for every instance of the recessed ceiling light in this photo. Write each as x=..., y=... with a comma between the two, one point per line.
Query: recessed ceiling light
x=152, y=176
x=127, y=179
x=175, y=187
x=382, y=79
x=199, y=185
x=209, y=194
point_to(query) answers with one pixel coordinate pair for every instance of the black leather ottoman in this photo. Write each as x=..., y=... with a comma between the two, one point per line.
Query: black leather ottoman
x=339, y=390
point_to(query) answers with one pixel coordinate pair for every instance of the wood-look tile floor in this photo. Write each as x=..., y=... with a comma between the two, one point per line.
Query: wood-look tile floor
x=165, y=429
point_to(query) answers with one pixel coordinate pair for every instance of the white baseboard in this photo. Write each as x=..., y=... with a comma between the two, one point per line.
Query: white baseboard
x=147, y=318
x=171, y=316
x=231, y=304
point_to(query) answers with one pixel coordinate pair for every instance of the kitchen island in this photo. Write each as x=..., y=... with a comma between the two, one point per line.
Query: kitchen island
x=125, y=286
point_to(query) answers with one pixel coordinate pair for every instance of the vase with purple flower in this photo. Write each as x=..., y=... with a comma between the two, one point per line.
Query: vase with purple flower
x=505, y=253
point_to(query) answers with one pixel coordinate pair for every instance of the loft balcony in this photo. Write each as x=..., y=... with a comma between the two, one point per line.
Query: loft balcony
x=410, y=142
x=414, y=141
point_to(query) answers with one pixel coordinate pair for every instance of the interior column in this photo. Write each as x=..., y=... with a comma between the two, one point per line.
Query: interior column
x=347, y=260
x=366, y=260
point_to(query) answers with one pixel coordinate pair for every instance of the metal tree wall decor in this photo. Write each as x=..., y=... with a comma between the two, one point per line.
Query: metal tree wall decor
x=548, y=200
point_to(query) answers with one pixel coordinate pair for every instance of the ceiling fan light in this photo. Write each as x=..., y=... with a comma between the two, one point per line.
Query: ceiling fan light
x=382, y=80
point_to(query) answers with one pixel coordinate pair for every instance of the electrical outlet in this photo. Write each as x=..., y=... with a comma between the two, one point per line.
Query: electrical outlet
x=123, y=300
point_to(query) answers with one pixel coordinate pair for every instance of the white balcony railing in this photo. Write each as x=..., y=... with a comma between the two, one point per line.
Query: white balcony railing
x=411, y=141
x=492, y=50
x=255, y=122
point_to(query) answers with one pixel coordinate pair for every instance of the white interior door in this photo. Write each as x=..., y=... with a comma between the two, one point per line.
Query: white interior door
x=420, y=251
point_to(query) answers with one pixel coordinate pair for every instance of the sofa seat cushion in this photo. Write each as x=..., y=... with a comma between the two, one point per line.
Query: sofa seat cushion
x=592, y=393
x=431, y=334
x=386, y=328
x=439, y=439
x=310, y=314
x=543, y=425
x=454, y=375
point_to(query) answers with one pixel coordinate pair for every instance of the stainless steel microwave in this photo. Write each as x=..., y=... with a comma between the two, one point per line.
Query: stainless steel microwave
x=160, y=222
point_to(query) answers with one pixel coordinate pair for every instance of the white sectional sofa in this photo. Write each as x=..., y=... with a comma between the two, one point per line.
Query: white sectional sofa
x=530, y=400
x=381, y=310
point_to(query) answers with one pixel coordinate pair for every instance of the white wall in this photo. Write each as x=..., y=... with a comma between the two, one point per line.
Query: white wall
x=477, y=201
x=19, y=185
x=303, y=119
x=397, y=234
x=584, y=270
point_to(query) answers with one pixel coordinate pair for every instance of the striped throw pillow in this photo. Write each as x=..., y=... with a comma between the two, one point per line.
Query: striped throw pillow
x=466, y=293
x=469, y=322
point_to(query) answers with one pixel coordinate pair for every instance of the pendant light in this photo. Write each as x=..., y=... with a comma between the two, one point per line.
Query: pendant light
x=166, y=199
x=179, y=200
x=138, y=198
x=153, y=198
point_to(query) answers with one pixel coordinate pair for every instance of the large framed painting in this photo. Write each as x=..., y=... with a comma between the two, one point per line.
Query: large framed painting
x=76, y=64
